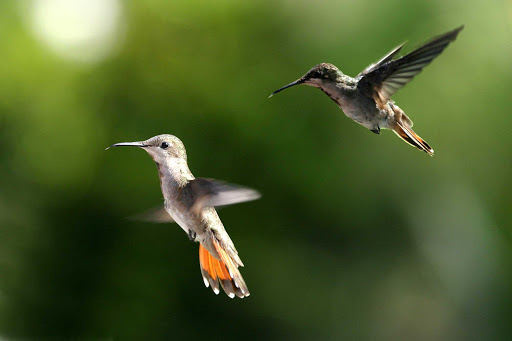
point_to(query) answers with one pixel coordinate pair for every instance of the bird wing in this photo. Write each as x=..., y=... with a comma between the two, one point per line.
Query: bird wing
x=200, y=193
x=383, y=60
x=154, y=215
x=387, y=76
x=215, y=193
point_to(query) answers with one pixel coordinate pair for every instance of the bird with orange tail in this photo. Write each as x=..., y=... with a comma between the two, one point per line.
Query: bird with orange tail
x=367, y=98
x=191, y=203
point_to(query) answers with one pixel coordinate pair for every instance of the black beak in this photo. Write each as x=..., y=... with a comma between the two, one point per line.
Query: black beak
x=297, y=82
x=129, y=144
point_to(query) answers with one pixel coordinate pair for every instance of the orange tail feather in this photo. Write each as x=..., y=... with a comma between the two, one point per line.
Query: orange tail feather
x=409, y=136
x=223, y=271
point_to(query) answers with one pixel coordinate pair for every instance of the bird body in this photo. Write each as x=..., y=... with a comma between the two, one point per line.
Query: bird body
x=366, y=99
x=190, y=202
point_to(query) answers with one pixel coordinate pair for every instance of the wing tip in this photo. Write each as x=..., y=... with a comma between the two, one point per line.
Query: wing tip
x=454, y=33
x=460, y=28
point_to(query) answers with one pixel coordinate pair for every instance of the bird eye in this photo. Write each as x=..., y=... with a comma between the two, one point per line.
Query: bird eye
x=164, y=145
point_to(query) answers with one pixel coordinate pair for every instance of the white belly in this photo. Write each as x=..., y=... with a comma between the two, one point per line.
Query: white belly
x=180, y=218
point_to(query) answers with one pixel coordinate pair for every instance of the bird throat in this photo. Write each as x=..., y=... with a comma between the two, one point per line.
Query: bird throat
x=174, y=174
x=332, y=90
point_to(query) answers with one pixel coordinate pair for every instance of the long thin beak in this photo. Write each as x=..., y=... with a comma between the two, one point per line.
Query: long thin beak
x=297, y=82
x=128, y=144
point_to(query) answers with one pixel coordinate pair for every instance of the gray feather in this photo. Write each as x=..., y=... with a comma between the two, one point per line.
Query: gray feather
x=388, y=76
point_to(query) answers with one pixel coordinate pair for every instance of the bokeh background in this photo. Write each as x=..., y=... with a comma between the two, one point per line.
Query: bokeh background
x=357, y=237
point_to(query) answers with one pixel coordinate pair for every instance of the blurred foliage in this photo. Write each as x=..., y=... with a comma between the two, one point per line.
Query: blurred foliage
x=358, y=236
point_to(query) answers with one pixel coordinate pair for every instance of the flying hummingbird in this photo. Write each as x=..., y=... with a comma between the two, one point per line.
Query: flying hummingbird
x=190, y=202
x=367, y=98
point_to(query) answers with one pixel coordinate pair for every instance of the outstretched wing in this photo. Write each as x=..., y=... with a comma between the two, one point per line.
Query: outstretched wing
x=387, y=76
x=382, y=61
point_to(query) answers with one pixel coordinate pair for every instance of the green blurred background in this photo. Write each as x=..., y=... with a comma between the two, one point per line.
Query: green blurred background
x=357, y=237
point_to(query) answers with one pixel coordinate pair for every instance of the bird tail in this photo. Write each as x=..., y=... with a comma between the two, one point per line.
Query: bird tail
x=224, y=271
x=408, y=135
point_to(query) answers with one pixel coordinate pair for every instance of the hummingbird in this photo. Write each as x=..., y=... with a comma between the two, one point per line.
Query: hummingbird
x=366, y=99
x=191, y=202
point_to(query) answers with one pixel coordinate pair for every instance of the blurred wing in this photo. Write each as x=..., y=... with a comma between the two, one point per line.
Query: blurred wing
x=155, y=215
x=215, y=193
x=391, y=75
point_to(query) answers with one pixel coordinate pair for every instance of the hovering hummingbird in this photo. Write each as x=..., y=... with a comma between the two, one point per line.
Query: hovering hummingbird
x=367, y=98
x=190, y=202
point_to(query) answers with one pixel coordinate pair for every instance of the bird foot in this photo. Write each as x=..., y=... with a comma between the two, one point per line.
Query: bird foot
x=192, y=235
x=376, y=130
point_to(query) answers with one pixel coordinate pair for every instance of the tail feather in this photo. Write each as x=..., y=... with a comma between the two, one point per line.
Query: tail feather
x=224, y=271
x=409, y=136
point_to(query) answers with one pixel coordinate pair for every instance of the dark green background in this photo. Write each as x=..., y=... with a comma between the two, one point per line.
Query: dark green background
x=357, y=236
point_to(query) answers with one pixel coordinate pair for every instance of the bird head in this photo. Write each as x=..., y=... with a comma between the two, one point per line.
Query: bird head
x=317, y=76
x=160, y=147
